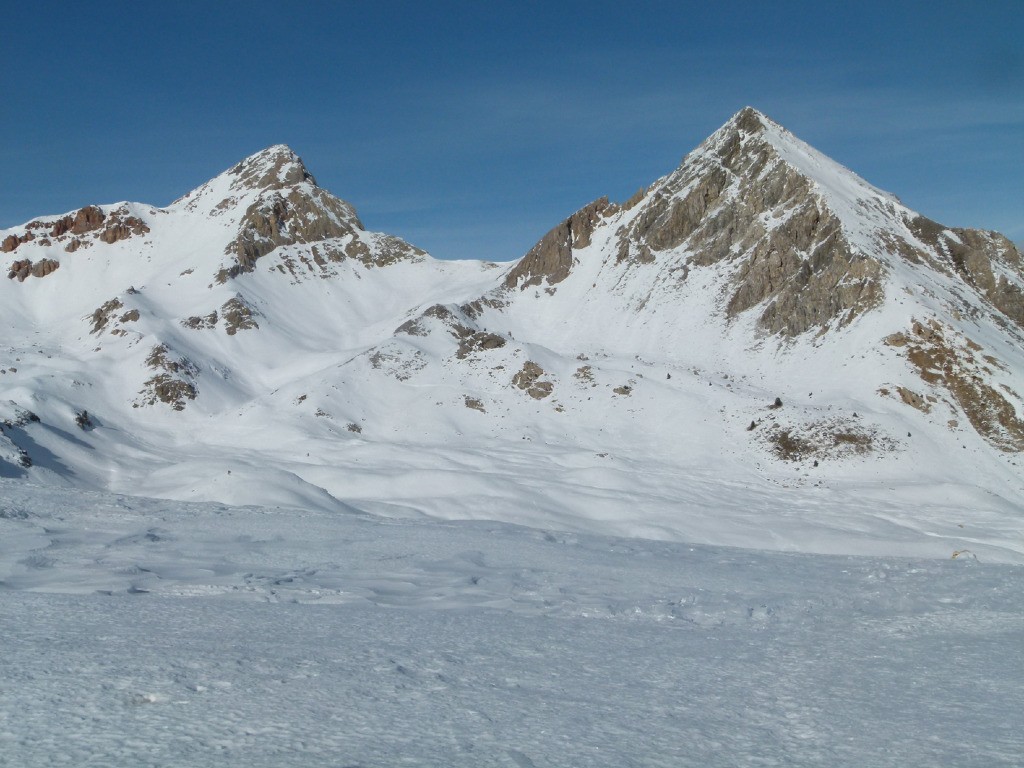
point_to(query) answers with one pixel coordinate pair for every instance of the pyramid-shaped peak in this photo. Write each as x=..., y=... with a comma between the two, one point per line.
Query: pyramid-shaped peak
x=275, y=167
x=749, y=123
x=750, y=139
x=749, y=120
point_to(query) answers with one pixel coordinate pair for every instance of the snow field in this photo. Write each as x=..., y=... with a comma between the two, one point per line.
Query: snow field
x=155, y=633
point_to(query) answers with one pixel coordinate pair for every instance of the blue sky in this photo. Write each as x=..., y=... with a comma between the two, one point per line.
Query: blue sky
x=471, y=128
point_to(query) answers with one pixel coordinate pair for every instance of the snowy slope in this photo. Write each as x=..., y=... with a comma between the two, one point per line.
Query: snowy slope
x=252, y=344
x=143, y=632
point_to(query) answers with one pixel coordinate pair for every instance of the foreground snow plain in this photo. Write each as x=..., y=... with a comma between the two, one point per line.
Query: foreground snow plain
x=159, y=633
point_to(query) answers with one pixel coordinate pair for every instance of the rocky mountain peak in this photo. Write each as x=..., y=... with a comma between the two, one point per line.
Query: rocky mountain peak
x=750, y=144
x=749, y=120
x=275, y=167
x=272, y=169
x=277, y=203
x=798, y=239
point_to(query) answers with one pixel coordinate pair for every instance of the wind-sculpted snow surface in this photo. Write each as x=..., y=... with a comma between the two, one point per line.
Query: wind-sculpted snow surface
x=142, y=632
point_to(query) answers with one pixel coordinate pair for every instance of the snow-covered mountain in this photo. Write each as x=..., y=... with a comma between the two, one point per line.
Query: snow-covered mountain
x=759, y=349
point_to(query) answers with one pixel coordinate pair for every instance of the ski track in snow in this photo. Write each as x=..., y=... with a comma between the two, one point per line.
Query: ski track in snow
x=156, y=633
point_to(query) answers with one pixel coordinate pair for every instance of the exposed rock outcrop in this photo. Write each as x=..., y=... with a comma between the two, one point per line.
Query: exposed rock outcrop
x=474, y=403
x=44, y=267
x=11, y=242
x=276, y=167
x=79, y=230
x=834, y=438
x=988, y=262
x=25, y=268
x=528, y=380
x=86, y=220
x=238, y=316
x=370, y=249
x=738, y=201
x=300, y=215
x=471, y=340
x=173, y=382
x=195, y=322
x=947, y=360
x=121, y=226
x=551, y=260
x=103, y=314
x=108, y=317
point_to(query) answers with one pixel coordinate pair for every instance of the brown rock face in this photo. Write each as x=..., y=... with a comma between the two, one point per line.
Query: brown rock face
x=474, y=403
x=471, y=340
x=551, y=259
x=478, y=341
x=800, y=268
x=238, y=316
x=44, y=267
x=284, y=169
x=195, y=322
x=913, y=399
x=87, y=219
x=84, y=220
x=667, y=222
x=11, y=242
x=20, y=270
x=104, y=314
x=81, y=229
x=62, y=226
x=975, y=257
x=824, y=439
x=371, y=250
x=24, y=268
x=947, y=360
x=121, y=226
x=279, y=219
x=528, y=379
x=831, y=285
x=173, y=382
